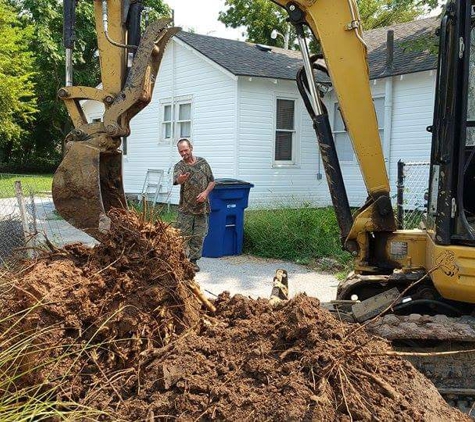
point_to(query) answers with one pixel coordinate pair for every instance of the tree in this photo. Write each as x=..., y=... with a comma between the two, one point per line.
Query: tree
x=379, y=13
x=46, y=17
x=260, y=17
x=17, y=91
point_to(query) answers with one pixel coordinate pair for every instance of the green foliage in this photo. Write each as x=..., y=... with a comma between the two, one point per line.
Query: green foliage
x=35, y=165
x=380, y=13
x=32, y=183
x=17, y=100
x=47, y=55
x=260, y=17
x=303, y=235
x=158, y=9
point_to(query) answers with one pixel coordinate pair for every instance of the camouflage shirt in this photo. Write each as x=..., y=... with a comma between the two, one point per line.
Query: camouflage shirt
x=200, y=176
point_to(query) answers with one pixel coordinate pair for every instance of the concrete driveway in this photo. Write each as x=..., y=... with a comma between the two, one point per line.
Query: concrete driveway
x=251, y=276
x=244, y=274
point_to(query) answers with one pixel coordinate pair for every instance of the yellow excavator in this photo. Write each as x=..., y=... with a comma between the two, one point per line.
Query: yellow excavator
x=425, y=278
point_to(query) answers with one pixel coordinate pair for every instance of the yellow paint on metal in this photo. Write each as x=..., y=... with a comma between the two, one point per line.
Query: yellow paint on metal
x=111, y=57
x=87, y=93
x=415, y=259
x=454, y=270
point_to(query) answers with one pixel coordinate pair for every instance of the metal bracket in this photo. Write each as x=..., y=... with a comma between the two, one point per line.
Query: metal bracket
x=353, y=25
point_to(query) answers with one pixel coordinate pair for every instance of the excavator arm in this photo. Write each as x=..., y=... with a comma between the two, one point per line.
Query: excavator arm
x=88, y=181
x=336, y=25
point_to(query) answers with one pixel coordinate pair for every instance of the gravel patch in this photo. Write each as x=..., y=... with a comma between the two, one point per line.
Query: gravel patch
x=251, y=276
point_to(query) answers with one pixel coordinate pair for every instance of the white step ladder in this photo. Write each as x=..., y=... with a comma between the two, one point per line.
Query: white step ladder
x=152, y=184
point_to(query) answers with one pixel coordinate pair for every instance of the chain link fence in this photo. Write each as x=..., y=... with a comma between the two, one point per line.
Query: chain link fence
x=412, y=188
x=27, y=217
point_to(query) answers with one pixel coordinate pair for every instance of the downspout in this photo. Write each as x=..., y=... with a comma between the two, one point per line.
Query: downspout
x=237, y=122
x=172, y=111
x=388, y=101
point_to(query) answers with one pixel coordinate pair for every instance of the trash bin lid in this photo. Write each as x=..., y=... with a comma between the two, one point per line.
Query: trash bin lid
x=231, y=182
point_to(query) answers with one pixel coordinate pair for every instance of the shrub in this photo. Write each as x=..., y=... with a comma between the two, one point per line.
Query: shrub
x=303, y=235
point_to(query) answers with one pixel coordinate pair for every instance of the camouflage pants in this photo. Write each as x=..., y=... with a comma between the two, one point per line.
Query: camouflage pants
x=194, y=229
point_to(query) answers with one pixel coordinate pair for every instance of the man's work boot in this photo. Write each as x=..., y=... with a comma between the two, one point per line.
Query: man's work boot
x=195, y=265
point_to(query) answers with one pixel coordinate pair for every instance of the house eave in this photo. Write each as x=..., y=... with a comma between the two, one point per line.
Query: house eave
x=216, y=65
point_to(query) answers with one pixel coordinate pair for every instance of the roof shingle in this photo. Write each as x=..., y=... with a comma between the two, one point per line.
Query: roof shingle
x=247, y=59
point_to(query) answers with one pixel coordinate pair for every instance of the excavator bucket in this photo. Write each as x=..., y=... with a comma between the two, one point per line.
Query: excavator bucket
x=86, y=185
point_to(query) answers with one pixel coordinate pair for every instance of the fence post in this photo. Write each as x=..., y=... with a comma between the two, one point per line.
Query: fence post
x=400, y=194
x=24, y=216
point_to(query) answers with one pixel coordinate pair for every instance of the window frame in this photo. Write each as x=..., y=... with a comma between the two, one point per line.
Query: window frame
x=336, y=113
x=180, y=122
x=175, y=123
x=164, y=122
x=293, y=162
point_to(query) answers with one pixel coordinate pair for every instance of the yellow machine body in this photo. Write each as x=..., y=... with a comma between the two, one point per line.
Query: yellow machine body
x=336, y=25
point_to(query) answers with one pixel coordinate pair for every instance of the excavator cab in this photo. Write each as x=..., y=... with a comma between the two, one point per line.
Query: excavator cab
x=88, y=182
x=451, y=213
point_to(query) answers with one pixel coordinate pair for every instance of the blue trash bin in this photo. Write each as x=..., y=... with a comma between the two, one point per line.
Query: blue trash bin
x=228, y=200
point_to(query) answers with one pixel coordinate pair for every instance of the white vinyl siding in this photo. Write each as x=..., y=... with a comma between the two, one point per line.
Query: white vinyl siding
x=184, y=78
x=413, y=109
x=234, y=126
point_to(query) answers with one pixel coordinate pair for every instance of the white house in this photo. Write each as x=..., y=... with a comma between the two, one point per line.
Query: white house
x=239, y=104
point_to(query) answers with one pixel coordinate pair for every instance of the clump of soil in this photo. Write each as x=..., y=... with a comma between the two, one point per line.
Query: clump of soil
x=127, y=335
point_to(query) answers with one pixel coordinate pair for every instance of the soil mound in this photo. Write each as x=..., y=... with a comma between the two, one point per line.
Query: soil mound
x=118, y=328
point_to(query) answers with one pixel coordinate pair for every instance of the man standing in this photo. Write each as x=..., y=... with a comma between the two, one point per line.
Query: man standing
x=196, y=181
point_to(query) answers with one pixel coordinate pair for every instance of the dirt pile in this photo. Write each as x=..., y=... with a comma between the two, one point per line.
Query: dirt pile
x=127, y=335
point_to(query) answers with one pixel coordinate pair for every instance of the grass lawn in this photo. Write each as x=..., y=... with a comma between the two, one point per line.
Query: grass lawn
x=35, y=183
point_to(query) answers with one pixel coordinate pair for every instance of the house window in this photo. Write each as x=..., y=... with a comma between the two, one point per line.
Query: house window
x=176, y=122
x=344, y=147
x=285, y=132
x=167, y=122
x=184, y=120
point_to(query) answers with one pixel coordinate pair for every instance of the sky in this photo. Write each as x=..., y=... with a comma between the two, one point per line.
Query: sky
x=202, y=17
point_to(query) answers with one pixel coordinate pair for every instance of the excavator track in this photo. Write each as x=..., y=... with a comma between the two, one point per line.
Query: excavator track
x=440, y=346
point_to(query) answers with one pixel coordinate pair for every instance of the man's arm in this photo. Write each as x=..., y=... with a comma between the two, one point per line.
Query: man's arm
x=211, y=184
x=178, y=177
x=203, y=195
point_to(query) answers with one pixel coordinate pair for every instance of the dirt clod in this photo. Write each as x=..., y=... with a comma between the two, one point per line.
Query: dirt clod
x=119, y=329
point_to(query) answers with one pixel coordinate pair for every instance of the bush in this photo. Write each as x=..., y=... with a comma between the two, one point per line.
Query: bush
x=36, y=165
x=304, y=235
